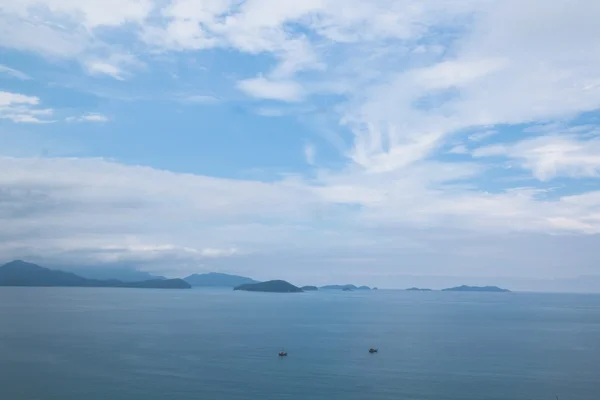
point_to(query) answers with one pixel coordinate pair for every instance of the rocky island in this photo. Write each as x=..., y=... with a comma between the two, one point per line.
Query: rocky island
x=465, y=288
x=21, y=273
x=276, y=286
x=416, y=289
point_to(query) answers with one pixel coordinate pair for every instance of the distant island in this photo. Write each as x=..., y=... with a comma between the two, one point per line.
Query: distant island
x=276, y=286
x=416, y=289
x=465, y=288
x=21, y=273
x=215, y=279
x=309, y=288
x=345, y=287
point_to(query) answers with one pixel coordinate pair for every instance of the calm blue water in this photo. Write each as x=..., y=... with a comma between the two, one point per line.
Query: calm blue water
x=101, y=344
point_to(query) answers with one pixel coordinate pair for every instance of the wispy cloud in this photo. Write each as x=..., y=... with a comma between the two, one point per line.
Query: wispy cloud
x=116, y=65
x=310, y=154
x=14, y=73
x=103, y=68
x=89, y=117
x=263, y=88
x=270, y=112
x=551, y=156
x=235, y=210
x=58, y=29
x=459, y=149
x=197, y=98
x=20, y=108
x=397, y=91
x=215, y=253
x=480, y=136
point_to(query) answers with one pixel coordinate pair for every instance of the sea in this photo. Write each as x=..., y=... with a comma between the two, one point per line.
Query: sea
x=203, y=344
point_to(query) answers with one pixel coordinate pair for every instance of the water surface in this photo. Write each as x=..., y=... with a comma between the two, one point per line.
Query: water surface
x=106, y=343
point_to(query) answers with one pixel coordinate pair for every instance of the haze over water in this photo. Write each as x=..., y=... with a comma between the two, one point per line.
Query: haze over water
x=96, y=344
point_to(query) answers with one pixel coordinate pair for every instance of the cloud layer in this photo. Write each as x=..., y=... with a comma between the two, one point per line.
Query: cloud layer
x=458, y=124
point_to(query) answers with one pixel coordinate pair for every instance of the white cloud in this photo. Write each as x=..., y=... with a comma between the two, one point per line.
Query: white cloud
x=406, y=87
x=456, y=73
x=90, y=14
x=480, y=136
x=208, y=252
x=459, y=149
x=197, y=98
x=102, y=68
x=66, y=29
x=117, y=66
x=89, y=117
x=263, y=88
x=14, y=73
x=134, y=250
x=551, y=156
x=91, y=210
x=94, y=118
x=20, y=108
x=310, y=154
x=8, y=99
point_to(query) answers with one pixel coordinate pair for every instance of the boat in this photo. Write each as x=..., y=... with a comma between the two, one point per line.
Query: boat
x=372, y=350
x=283, y=353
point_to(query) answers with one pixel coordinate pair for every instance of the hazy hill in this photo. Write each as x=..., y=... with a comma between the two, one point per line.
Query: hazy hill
x=125, y=274
x=215, y=279
x=21, y=273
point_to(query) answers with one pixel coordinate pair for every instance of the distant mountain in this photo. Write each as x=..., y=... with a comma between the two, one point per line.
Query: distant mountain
x=309, y=288
x=123, y=274
x=465, y=288
x=344, y=287
x=276, y=286
x=415, y=289
x=21, y=273
x=215, y=279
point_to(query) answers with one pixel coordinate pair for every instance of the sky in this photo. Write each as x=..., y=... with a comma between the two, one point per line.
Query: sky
x=389, y=143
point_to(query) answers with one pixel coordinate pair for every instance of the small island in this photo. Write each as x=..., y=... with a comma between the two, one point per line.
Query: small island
x=416, y=289
x=465, y=288
x=276, y=286
x=309, y=288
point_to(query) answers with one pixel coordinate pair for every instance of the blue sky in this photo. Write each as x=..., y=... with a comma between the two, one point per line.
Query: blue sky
x=388, y=143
